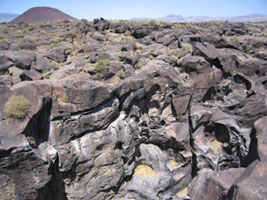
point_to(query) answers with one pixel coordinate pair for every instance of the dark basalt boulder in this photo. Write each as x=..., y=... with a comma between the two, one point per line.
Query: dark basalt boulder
x=206, y=50
x=60, y=52
x=261, y=135
x=143, y=30
x=14, y=131
x=24, y=173
x=31, y=75
x=4, y=46
x=210, y=184
x=41, y=64
x=5, y=63
x=120, y=27
x=101, y=24
x=193, y=64
x=27, y=45
x=84, y=26
x=24, y=176
x=24, y=59
x=251, y=184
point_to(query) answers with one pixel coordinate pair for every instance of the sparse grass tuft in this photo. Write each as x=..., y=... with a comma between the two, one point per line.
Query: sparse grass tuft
x=186, y=49
x=55, y=39
x=121, y=74
x=73, y=34
x=17, y=107
x=101, y=64
x=51, y=46
x=236, y=41
x=151, y=57
x=55, y=65
x=98, y=36
x=44, y=71
x=139, y=65
x=2, y=37
x=152, y=22
x=173, y=57
x=47, y=76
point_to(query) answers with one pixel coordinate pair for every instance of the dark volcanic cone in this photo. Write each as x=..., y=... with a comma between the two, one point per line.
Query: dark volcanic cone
x=42, y=14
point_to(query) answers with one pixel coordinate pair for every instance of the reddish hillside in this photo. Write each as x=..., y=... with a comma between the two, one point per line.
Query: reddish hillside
x=42, y=14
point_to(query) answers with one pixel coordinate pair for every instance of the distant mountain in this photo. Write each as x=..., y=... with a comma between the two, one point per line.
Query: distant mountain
x=139, y=19
x=172, y=18
x=249, y=18
x=7, y=17
x=180, y=18
x=42, y=14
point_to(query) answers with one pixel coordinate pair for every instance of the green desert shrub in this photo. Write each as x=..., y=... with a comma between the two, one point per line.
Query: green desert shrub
x=47, y=76
x=101, y=64
x=121, y=74
x=154, y=22
x=16, y=106
x=121, y=39
x=55, y=65
x=151, y=57
x=186, y=48
x=55, y=39
x=44, y=71
x=139, y=65
x=2, y=37
x=73, y=34
x=98, y=36
x=236, y=41
x=173, y=57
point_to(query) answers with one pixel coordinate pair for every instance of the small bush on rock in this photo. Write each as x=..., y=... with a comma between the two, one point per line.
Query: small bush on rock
x=236, y=41
x=56, y=39
x=186, y=48
x=98, y=36
x=101, y=64
x=121, y=74
x=139, y=65
x=16, y=106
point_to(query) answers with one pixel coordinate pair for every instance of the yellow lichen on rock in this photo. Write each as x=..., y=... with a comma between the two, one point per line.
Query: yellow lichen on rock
x=145, y=171
x=174, y=163
x=216, y=146
x=61, y=95
x=182, y=193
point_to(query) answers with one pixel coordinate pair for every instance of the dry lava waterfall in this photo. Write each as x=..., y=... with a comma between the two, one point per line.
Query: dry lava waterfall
x=133, y=110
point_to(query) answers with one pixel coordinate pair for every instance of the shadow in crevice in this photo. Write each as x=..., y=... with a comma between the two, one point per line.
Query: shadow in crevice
x=37, y=130
x=57, y=185
x=253, y=150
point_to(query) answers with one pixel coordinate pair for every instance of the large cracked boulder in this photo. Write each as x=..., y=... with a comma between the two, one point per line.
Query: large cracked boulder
x=86, y=113
x=24, y=174
x=14, y=131
x=210, y=184
x=261, y=131
x=60, y=52
x=251, y=184
x=5, y=63
x=218, y=140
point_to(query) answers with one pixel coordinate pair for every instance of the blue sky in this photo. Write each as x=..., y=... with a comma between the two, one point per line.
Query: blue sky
x=125, y=9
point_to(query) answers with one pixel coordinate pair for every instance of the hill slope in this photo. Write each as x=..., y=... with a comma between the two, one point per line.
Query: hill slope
x=42, y=14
